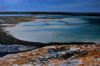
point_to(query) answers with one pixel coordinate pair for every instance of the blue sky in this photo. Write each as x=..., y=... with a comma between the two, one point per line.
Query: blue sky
x=51, y=5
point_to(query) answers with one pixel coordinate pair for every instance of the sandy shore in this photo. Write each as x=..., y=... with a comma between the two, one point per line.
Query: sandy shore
x=4, y=37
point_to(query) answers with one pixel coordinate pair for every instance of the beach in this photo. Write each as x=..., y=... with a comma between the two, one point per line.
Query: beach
x=44, y=40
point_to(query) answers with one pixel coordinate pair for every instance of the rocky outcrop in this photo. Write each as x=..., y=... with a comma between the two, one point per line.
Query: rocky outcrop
x=56, y=55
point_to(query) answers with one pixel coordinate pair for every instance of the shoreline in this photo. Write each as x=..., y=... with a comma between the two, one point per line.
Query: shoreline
x=8, y=39
x=55, y=13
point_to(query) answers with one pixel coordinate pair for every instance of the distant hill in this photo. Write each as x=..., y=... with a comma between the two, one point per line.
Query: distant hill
x=56, y=13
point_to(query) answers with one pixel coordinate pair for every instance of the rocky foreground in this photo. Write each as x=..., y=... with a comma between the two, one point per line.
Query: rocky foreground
x=56, y=55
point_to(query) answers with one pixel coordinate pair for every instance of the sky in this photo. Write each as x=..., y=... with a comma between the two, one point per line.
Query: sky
x=51, y=5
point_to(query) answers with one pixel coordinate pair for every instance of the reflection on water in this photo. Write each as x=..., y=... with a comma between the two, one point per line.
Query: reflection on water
x=56, y=30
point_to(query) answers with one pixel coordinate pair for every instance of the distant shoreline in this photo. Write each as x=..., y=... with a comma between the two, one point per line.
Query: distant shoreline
x=56, y=13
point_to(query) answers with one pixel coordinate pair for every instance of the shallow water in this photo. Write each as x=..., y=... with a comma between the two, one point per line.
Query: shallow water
x=15, y=48
x=66, y=29
x=10, y=49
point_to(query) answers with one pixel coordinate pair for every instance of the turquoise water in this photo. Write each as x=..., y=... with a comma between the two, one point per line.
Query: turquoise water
x=60, y=29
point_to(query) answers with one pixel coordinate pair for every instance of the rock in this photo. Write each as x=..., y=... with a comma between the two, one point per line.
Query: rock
x=86, y=56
